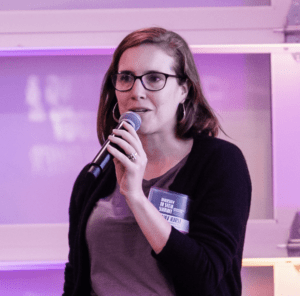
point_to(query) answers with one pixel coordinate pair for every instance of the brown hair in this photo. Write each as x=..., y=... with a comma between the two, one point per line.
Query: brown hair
x=199, y=116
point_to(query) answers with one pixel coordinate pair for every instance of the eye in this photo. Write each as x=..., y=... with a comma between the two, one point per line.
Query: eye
x=124, y=78
x=154, y=77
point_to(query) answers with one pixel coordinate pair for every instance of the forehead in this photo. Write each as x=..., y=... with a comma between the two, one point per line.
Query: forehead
x=143, y=58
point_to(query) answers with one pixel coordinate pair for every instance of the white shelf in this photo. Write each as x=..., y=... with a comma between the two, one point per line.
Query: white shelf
x=31, y=265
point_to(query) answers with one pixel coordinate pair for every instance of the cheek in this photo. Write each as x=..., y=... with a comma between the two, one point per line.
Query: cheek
x=168, y=102
x=167, y=110
x=121, y=102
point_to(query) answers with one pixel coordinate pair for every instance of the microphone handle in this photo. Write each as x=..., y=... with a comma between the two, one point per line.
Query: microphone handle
x=103, y=159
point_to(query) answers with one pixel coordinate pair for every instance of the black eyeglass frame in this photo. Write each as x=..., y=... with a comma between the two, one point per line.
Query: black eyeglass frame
x=140, y=78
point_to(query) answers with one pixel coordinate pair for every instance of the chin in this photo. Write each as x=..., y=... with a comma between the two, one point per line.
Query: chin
x=144, y=130
x=141, y=131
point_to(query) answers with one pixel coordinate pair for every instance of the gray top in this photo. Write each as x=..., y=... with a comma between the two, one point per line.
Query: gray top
x=120, y=255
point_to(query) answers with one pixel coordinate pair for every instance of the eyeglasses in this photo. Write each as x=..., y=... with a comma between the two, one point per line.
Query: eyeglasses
x=153, y=81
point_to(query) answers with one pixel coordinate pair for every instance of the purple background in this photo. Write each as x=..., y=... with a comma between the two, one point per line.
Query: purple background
x=48, y=123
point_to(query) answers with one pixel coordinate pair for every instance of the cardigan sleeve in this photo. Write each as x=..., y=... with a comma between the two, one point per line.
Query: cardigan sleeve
x=86, y=191
x=74, y=212
x=210, y=255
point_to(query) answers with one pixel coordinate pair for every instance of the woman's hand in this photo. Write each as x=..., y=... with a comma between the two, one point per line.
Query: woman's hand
x=129, y=173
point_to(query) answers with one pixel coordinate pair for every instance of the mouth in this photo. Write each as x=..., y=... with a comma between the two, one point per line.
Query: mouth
x=140, y=110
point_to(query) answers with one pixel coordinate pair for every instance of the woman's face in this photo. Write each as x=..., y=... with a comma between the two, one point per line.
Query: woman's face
x=156, y=108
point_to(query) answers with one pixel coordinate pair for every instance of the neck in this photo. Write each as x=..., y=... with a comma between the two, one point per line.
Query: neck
x=163, y=152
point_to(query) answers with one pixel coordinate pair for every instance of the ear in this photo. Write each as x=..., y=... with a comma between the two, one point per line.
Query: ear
x=184, y=91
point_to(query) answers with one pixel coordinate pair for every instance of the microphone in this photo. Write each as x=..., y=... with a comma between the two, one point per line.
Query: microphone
x=104, y=158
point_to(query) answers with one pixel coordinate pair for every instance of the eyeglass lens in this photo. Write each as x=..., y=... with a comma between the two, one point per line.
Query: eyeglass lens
x=151, y=81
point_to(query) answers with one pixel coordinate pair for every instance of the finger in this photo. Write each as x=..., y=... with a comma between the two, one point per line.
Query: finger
x=128, y=136
x=121, y=157
x=131, y=130
x=126, y=145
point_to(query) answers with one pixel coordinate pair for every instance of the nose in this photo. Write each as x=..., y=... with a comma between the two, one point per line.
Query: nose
x=138, y=90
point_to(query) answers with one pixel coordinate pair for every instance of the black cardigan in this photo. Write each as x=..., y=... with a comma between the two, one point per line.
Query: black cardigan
x=207, y=261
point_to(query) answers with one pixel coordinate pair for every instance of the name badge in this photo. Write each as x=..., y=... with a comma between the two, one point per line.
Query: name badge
x=173, y=206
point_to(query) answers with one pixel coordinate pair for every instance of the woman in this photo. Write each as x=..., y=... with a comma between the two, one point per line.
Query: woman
x=120, y=244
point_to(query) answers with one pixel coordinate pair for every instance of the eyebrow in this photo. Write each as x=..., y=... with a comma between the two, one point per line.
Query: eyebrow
x=125, y=72
x=147, y=72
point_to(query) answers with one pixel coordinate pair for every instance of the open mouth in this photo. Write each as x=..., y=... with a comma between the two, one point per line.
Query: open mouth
x=140, y=110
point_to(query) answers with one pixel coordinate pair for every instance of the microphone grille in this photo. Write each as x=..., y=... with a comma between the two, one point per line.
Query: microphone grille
x=132, y=118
